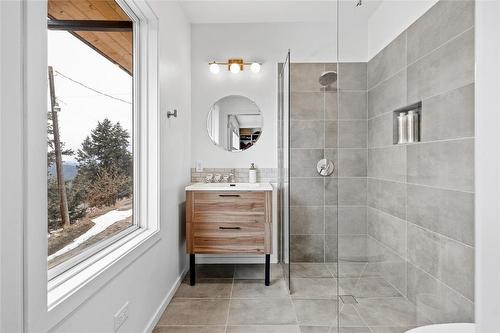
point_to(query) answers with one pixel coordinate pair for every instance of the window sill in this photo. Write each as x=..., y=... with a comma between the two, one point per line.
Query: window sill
x=77, y=284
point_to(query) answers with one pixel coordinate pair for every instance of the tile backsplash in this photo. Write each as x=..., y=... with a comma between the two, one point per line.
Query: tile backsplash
x=264, y=175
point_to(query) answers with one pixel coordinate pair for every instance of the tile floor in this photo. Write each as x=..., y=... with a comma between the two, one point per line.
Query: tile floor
x=233, y=299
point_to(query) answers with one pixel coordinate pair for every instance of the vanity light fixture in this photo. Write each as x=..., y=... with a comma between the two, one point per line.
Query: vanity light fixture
x=234, y=65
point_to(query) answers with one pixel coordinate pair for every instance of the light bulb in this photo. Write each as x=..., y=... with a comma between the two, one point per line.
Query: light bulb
x=255, y=67
x=214, y=68
x=235, y=68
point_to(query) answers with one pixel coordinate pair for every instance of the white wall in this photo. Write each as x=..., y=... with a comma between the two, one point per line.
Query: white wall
x=390, y=19
x=487, y=166
x=147, y=281
x=268, y=43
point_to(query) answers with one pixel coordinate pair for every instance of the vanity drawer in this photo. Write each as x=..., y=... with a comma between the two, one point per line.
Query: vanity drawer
x=229, y=202
x=229, y=238
x=228, y=217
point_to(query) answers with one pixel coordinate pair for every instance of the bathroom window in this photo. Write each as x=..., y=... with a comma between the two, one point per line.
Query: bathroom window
x=91, y=131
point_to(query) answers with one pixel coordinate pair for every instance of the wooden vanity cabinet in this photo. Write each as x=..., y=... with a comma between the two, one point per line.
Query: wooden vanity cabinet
x=225, y=222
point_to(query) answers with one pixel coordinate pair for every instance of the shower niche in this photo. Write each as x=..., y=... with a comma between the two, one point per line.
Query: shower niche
x=407, y=124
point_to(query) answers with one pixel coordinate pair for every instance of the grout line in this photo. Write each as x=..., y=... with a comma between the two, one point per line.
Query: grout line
x=450, y=40
x=417, y=184
x=421, y=227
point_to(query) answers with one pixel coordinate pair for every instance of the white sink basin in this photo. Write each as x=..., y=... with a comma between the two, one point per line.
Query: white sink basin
x=229, y=187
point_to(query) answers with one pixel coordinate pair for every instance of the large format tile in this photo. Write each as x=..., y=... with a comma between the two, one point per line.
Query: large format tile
x=307, y=248
x=307, y=134
x=388, y=95
x=436, y=301
x=387, y=229
x=447, y=260
x=189, y=329
x=195, y=312
x=352, y=76
x=445, y=20
x=205, y=288
x=315, y=329
x=352, y=162
x=387, y=62
x=352, y=220
x=264, y=329
x=353, y=105
x=449, y=67
x=387, y=196
x=307, y=105
x=446, y=164
x=390, y=329
x=313, y=288
x=256, y=271
x=367, y=287
x=396, y=311
x=270, y=311
x=352, y=191
x=303, y=162
x=349, y=317
x=256, y=289
x=316, y=312
x=380, y=131
x=307, y=220
x=306, y=191
x=331, y=134
x=387, y=163
x=310, y=270
x=331, y=191
x=331, y=219
x=331, y=106
x=304, y=76
x=447, y=212
x=449, y=116
x=352, y=133
x=331, y=248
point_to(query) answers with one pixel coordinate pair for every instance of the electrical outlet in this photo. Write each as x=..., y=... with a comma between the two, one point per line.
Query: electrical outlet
x=121, y=316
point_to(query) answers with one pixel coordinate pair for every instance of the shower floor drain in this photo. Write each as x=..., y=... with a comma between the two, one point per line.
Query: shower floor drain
x=348, y=299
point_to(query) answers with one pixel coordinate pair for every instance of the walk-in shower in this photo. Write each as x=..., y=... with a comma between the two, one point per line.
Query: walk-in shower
x=386, y=241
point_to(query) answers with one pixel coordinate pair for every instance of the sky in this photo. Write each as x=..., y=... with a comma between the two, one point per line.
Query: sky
x=81, y=108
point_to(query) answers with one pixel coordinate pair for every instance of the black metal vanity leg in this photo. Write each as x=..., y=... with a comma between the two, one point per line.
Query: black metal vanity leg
x=192, y=270
x=268, y=263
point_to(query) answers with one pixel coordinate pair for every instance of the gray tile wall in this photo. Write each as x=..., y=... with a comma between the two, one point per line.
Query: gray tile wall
x=420, y=196
x=320, y=129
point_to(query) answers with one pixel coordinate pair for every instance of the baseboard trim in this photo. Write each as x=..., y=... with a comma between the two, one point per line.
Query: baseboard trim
x=166, y=301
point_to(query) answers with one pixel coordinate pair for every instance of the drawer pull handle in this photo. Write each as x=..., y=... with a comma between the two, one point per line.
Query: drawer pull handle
x=229, y=228
x=229, y=195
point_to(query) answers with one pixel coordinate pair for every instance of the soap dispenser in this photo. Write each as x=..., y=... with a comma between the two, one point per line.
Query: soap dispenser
x=252, y=174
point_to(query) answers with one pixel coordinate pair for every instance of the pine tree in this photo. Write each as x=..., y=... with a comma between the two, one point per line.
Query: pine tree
x=104, y=158
x=105, y=148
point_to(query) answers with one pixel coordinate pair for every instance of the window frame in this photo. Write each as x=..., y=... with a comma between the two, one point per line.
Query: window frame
x=137, y=223
x=48, y=302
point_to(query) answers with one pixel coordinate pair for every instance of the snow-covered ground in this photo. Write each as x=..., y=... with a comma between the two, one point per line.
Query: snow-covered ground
x=101, y=223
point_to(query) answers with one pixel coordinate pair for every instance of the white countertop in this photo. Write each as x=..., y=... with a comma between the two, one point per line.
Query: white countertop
x=229, y=187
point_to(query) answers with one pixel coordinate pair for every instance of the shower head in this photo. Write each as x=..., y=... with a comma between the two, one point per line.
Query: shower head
x=327, y=78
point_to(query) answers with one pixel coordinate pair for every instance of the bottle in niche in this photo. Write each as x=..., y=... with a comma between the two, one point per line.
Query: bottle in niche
x=402, y=128
x=412, y=124
x=252, y=174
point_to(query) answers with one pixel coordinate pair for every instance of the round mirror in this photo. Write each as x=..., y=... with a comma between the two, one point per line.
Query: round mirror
x=234, y=123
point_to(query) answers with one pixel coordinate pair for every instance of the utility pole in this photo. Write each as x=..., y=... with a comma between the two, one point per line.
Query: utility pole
x=63, y=200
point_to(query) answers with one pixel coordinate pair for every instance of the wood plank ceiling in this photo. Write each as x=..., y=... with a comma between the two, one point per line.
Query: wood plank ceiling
x=116, y=46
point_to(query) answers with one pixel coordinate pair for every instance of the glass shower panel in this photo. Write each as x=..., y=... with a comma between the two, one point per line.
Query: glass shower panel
x=283, y=165
x=405, y=204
